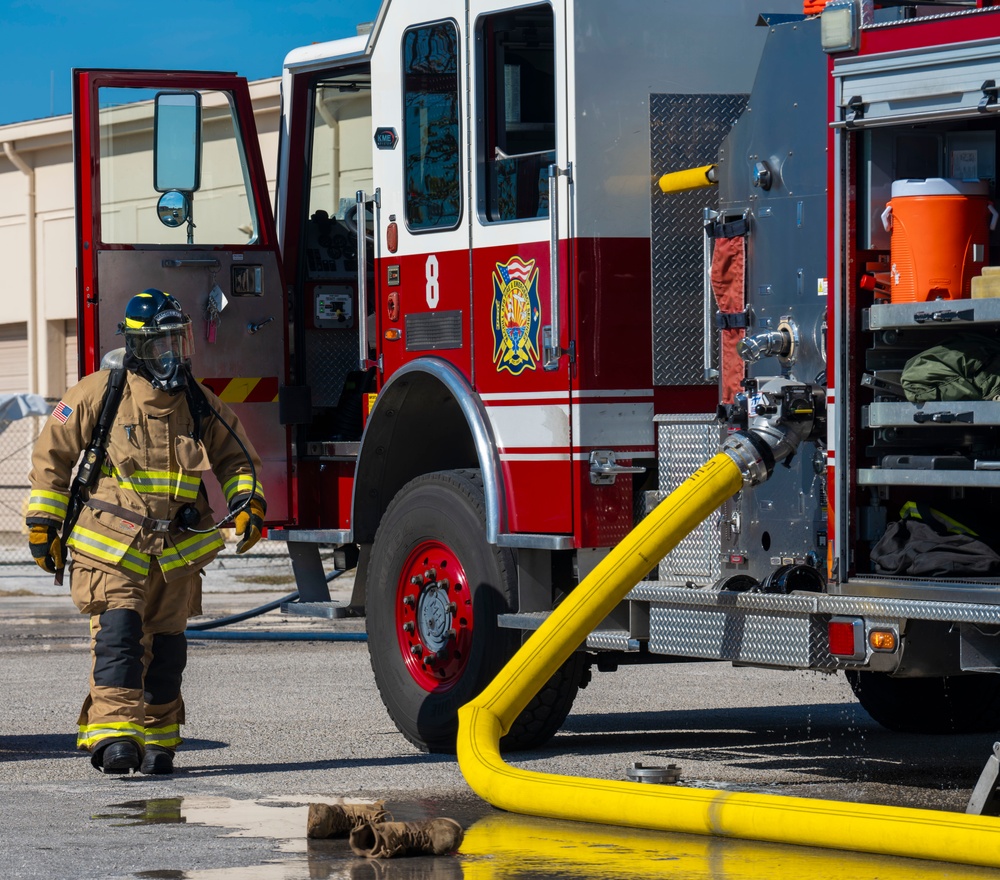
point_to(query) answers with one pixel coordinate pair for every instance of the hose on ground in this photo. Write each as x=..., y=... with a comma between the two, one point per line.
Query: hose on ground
x=201, y=630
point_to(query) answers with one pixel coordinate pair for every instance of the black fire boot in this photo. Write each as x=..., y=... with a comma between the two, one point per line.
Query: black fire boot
x=118, y=756
x=157, y=761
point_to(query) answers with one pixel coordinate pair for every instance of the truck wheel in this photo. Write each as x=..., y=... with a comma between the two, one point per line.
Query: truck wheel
x=435, y=591
x=951, y=704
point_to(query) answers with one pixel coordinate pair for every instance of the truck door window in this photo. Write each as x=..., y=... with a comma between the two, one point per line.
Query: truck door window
x=221, y=208
x=430, y=127
x=516, y=88
x=340, y=164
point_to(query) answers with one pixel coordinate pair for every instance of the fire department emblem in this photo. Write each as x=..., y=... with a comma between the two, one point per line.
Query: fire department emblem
x=516, y=316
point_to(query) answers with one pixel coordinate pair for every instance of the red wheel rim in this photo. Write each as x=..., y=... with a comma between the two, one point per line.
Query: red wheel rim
x=434, y=616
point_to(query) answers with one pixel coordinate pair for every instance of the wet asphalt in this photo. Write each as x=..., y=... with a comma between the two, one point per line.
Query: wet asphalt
x=274, y=725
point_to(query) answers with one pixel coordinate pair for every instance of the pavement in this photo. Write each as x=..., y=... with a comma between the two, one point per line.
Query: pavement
x=274, y=725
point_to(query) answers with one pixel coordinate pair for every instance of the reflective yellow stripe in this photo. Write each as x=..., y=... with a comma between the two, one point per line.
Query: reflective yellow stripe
x=191, y=550
x=242, y=484
x=90, y=734
x=183, y=486
x=168, y=737
x=109, y=550
x=52, y=503
x=912, y=509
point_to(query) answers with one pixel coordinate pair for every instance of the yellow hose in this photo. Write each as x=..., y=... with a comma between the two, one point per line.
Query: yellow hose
x=689, y=178
x=899, y=831
x=505, y=845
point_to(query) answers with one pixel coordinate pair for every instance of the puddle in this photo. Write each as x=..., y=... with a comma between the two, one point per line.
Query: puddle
x=504, y=845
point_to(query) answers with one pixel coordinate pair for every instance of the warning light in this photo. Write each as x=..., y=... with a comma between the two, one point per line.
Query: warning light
x=882, y=640
x=846, y=635
x=392, y=334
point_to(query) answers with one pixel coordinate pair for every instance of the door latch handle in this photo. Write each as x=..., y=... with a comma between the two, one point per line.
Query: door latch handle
x=604, y=468
x=254, y=327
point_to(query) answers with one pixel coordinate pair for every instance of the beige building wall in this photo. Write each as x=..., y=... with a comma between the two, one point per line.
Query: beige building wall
x=38, y=248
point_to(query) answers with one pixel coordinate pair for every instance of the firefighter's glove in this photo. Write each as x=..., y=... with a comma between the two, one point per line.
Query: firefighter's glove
x=248, y=523
x=46, y=548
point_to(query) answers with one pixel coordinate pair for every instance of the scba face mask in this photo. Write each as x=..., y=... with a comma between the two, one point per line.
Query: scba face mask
x=164, y=354
x=158, y=339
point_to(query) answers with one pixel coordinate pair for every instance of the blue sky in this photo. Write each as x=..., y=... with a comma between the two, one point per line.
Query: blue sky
x=41, y=41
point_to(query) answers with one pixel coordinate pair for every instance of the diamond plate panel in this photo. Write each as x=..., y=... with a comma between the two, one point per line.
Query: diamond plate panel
x=685, y=131
x=684, y=443
x=330, y=356
x=667, y=594
x=739, y=635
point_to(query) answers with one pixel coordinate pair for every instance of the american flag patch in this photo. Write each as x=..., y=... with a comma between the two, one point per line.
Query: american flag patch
x=62, y=412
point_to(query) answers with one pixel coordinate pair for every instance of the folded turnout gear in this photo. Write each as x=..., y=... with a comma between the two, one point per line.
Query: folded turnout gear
x=962, y=367
x=927, y=543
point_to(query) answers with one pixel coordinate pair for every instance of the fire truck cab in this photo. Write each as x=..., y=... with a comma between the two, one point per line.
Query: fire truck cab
x=478, y=339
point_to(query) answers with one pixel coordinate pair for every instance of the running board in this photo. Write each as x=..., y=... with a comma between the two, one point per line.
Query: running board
x=599, y=640
x=772, y=629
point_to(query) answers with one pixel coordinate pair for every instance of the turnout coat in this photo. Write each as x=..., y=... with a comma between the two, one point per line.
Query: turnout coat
x=154, y=465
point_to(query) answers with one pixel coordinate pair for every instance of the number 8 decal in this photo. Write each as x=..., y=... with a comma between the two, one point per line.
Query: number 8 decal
x=431, y=274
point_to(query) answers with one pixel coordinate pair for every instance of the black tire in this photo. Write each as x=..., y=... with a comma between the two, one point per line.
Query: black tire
x=950, y=704
x=435, y=644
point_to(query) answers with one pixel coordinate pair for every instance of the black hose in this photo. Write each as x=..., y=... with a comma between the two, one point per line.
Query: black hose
x=243, y=615
x=199, y=630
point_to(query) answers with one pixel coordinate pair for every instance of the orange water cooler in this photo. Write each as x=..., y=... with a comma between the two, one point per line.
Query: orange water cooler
x=940, y=230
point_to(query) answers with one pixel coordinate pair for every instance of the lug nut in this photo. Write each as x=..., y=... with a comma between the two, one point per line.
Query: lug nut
x=408, y=626
x=416, y=650
x=415, y=580
x=451, y=635
x=430, y=657
x=408, y=601
x=452, y=608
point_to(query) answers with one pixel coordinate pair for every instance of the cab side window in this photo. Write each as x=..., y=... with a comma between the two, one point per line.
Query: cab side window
x=431, y=127
x=516, y=88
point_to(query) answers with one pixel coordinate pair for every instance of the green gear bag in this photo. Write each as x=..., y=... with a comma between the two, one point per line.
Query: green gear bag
x=961, y=367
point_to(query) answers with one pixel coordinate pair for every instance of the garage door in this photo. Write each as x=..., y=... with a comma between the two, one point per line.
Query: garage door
x=13, y=358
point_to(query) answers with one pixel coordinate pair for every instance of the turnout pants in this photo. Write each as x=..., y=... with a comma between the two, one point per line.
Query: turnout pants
x=138, y=653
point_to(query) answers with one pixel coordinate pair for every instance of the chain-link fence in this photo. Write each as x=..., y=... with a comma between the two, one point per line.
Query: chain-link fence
x=16, y=443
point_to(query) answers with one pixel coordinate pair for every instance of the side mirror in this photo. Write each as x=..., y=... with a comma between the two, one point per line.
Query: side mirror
x=173, y=208
x=177, y=142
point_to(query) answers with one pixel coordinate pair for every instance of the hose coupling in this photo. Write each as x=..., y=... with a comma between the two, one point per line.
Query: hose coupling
x=781, y=413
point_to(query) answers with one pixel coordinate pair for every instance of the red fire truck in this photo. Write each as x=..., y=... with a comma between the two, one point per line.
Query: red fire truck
x=478, y=340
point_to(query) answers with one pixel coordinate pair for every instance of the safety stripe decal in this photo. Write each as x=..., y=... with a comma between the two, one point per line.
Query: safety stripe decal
x=51, y=503
x=168, y=737
x=242, y=484
x=243, y=389
x=91, y=734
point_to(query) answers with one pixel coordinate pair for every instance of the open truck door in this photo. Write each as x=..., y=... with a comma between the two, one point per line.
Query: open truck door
x=171, y=194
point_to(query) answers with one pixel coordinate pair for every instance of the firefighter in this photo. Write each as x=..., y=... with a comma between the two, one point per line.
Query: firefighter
x=144, y=531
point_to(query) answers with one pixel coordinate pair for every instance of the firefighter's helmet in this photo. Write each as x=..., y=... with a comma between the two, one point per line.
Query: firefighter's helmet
x=158, y=339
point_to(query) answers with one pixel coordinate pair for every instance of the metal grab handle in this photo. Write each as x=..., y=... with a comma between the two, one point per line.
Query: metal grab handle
x=359, y=223
x=943, y=418
x=945, y=315
x=553, y=350
x=708, y=371
x=210, y=263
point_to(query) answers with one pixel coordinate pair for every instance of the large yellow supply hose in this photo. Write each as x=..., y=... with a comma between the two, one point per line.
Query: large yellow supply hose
x=926, y=834
x=689, y=178
x=505, y=845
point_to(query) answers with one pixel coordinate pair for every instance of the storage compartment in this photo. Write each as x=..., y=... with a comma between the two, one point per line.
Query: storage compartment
x=910, y=292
